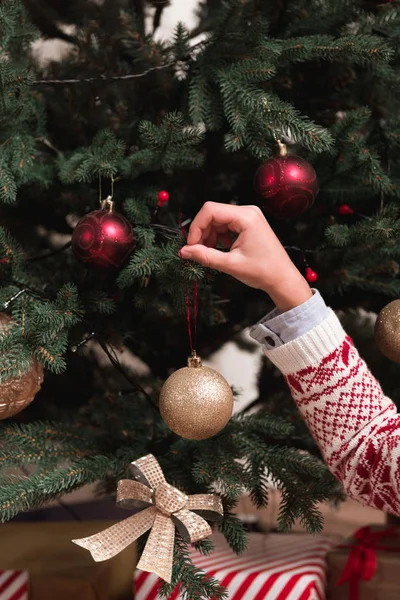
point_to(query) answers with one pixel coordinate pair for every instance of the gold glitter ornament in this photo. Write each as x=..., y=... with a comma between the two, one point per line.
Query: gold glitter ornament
x=196, y=402
x=387, y=331
x=17, y=392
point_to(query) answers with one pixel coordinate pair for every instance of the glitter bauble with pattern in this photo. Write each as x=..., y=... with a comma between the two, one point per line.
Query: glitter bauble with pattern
x=103, y=239
x=196, y=402
x=287, y=185
x=16, y=393
x=387, y=331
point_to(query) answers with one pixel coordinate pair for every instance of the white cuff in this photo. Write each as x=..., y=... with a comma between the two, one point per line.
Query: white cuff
x=309, y=349
x=278, y=328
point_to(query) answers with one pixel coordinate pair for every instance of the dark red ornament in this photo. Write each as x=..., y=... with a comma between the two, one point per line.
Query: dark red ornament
x=103, y=239
x=163, y=198
x=311, y=275
x=345, y=209
x=287, y=184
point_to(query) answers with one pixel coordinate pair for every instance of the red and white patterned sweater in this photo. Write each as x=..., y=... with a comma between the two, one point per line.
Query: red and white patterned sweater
x=356, y=427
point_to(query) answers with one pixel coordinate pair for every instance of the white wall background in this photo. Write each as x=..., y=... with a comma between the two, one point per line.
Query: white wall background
x=179, y=10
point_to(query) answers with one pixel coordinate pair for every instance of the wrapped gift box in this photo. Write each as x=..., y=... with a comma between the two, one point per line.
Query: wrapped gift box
x=367, y=566
x=40, y=562
x=14, y=585
x=284, y=566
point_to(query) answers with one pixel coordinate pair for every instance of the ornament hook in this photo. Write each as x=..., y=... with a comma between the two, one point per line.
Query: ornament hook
x=108, y=204
x=194, y=360
x=282, y=148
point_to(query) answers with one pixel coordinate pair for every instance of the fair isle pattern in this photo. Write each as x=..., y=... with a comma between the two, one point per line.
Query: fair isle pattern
x=14, y=585
x=275, y=567
x=356, y=427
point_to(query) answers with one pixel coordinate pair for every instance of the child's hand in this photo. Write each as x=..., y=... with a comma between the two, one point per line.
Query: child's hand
x=257, y=258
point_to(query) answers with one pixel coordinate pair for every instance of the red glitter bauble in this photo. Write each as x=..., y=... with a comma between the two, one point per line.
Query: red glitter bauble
x=103, y=239
x=287, y=184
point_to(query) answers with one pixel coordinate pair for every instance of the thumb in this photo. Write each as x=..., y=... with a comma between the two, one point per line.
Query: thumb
x=208, y=257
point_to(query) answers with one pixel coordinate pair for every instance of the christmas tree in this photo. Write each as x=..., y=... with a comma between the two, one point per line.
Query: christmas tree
x=125, y=116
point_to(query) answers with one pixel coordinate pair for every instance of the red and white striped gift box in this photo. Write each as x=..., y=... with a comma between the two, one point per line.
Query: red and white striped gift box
x=14, y=585
x=274, y=567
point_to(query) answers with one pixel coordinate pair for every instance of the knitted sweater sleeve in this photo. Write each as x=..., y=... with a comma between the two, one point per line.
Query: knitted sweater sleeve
x=356, y=427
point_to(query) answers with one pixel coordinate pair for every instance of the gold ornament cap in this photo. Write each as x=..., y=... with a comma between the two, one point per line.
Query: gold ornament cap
x=108, y=204
x=194, y=361
x=282, y=148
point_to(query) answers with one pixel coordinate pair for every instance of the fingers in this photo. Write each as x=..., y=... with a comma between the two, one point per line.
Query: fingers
x=224, y=217
x=208, y=257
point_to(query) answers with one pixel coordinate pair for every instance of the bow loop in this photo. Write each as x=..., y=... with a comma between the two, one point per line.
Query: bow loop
x=165, y=506
x=168, y=499
x=192, y=527
x=133, y=495
x=208, y=506
x=148, y=471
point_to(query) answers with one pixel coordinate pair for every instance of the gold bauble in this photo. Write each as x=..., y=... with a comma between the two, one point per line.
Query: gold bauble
x=196, y=402
x=16, y=393
x=387, y=331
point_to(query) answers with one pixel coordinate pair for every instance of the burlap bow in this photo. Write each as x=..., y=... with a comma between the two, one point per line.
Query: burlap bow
x=164, y=508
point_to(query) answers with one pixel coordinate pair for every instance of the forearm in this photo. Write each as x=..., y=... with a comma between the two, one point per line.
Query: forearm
x=354, y=424
x=291, y=292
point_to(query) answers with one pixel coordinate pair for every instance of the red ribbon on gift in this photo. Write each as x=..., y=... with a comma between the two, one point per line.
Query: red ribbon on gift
x=362, y=561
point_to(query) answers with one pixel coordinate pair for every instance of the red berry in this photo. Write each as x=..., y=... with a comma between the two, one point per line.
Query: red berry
x=311, y=275
x=163, y=197
x=345, y=209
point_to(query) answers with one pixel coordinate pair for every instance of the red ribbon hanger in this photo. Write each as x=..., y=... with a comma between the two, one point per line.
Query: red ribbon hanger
x=190, y=302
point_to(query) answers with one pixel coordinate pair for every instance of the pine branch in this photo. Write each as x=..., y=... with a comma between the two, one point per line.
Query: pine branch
x=138, y=9
x=126, y=77
x=158, y=14
x=112, y=358
x=193, y=582
x=49, y=254
x=105, y=78
x=22, y=494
